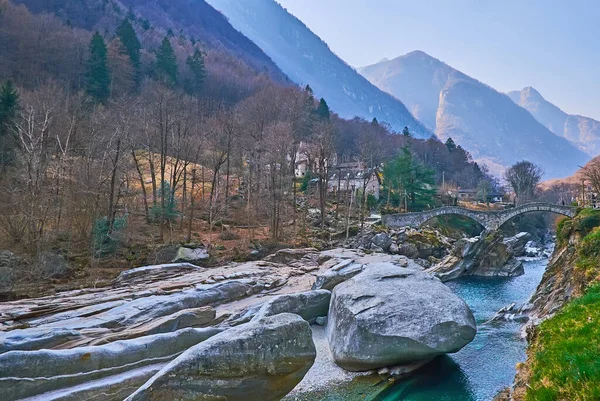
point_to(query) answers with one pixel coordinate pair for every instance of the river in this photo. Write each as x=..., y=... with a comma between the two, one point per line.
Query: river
x=486, y=365
x=478, y=371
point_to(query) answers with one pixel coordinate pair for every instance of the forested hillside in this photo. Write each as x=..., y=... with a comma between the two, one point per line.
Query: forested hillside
x=122, y=131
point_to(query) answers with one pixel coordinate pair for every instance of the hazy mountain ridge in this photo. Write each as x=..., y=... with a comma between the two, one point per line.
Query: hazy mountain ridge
x=584, y=132
x=486, y=122
x=306, y=59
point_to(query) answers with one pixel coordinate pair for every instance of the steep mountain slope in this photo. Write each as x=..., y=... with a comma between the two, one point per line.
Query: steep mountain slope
x=496, y=131
x=306, y=59
x=582, y=131
x=416, y=78
x=193, y=18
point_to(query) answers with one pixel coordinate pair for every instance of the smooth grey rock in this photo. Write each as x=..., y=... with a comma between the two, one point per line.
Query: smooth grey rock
x=31, y=373
x=261, y=360
x=308, y=305
x=332, y=277
x=191, y=255
x=54, y=265
x=388, y=315
x=140, y=311
x=155, y=269
x=35, y=338
x=517, y=243
x=383, y=241
x=408, y=249
x=321, y=320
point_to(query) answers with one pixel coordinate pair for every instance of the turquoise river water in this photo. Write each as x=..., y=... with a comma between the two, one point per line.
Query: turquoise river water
x=487, y=365
x=477, y=372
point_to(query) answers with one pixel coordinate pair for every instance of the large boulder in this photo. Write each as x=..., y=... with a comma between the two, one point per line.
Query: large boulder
x=260, y=360
x=382, y=240
x=389, y=315
x=54, y=265
x=308, y=305
x=337, y=274
x=517, y=243
x=407, y=249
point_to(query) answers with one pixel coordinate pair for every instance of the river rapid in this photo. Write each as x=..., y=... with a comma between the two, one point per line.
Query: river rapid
x=477, y=372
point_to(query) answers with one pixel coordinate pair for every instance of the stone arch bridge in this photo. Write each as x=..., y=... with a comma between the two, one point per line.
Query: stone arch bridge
x=490, y=220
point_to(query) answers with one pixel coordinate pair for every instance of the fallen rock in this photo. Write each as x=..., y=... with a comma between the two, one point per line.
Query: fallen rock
x=155, y=270
x=388, y=315
x=287, y=256
x=408, y=249
x=517, y=243
x=191, y=255
x=54, y=265
x=261, y=360
x=383, y=241
x=486, y=255
x=332, y=277
x=308, y=305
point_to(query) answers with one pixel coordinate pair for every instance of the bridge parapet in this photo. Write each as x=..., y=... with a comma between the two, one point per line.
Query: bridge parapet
x=490, y=220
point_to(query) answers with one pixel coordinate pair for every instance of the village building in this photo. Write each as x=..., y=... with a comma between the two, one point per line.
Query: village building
x=354, y=176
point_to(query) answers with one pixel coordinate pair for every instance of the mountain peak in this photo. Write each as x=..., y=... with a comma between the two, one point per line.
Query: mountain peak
x=530, y=91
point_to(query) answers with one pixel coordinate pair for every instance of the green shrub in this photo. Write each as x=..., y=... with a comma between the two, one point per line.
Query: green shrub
x=305, y=181
x=168, y=213
x=104, y=240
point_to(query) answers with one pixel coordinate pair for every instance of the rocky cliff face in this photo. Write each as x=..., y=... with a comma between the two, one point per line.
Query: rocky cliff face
x=489, y=255
x=570, y=271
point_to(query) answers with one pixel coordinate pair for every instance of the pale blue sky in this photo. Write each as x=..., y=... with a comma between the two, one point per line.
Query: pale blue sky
x=551, y=45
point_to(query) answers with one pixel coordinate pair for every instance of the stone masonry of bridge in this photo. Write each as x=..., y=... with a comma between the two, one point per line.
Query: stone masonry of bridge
x=490, y=220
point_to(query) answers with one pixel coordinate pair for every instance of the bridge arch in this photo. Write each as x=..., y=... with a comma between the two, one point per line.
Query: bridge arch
x=490, y=220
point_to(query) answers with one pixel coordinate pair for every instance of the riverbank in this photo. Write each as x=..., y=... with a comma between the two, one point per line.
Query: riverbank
x=180, y=312
x=562, y=356
x=475, y=373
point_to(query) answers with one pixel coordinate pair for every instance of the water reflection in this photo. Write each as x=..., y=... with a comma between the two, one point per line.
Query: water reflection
x=440, y=380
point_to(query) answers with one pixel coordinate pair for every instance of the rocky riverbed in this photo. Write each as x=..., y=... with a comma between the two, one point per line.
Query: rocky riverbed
x=254, y=327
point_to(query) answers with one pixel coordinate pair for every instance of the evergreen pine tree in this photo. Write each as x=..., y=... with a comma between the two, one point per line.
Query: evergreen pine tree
x=406, y=132
x=98, y=74
x=196, y=64
x=323, y=110
x=128, y=37
x=414, y=181
x=9, y=104
x=375, y=121
x=167, y=69
x=450, y=145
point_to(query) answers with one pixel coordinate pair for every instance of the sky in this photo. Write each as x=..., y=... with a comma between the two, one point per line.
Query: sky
x=552, y=45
